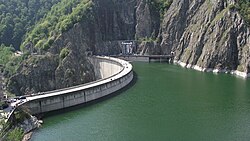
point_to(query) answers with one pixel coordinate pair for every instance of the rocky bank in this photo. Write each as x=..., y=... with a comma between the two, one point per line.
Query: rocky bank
x=207, y=35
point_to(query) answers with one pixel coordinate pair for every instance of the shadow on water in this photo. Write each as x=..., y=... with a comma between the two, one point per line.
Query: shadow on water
x=73, y=108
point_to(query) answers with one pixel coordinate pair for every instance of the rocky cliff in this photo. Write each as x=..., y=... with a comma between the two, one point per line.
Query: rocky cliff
x=65, y=64
x=202, y=34
x=207, y=35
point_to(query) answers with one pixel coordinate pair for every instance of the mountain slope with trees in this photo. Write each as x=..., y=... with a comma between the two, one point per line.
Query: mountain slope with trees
x=95, y=25
x=59, y=19
x=19, y=16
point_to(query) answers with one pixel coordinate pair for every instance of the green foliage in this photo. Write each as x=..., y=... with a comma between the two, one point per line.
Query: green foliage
x=148, y=39
x=18, y=16
x=5, y=128
x=21, y=116
x=15, y=135
x=3, y=105
x=5, y=54
x=244, y=8
x=64, y=52
x=9, y=61
x=161, y=5
x=12, y=66
x=59, y=19
x=232, y=6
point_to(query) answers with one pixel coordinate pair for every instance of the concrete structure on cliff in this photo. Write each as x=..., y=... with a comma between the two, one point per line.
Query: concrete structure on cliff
x=113, y=74
x=146, y=58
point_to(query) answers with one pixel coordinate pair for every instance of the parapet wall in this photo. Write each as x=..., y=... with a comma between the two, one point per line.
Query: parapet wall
x=115, y=74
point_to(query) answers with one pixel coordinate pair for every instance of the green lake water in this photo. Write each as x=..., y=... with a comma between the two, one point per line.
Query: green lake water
x=167, y=103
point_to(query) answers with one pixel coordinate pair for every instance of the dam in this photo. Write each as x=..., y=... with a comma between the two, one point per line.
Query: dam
x=113, y=74
x=146, y=58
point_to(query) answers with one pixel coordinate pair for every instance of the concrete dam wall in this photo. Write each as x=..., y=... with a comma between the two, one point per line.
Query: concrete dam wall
x=105, y=67
x=114, y=74
x=146, y=58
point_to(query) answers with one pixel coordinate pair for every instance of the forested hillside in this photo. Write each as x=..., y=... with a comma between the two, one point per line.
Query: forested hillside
x=19, y=16
x=61, y=18
x=35, y=22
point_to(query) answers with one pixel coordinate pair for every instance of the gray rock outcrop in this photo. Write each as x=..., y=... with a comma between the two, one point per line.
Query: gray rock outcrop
x=29, y=124
x=52, y=70
x=207, y=35
x=147, y=20
x=202, y=34
x=108, y=22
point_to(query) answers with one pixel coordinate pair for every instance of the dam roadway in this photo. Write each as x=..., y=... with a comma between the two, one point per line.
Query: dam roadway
x=113, y=74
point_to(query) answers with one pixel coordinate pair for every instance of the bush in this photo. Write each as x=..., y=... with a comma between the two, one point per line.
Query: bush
x=51, y=41
x=64, y=52
x=39, y=44
x=15, y=135
x=3, y=105
x=232, y=7
x=12, y=66
x=5, y=54
x=160, y=5
x=243, y=6
x=46, y=46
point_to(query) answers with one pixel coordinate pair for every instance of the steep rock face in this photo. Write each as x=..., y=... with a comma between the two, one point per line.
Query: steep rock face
x=117, y=20
x=99, y=32
x=203, y=34
x=75, y=68
x=50, y=71
x=206, y=35
x=147, y=20
x=114, y=20
x=148, y=48
x=36, y=74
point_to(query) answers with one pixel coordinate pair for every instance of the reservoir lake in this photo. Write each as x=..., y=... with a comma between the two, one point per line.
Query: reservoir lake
x=165, y=103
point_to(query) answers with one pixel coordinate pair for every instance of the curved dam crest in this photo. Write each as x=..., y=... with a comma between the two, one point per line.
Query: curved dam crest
x=113, y=74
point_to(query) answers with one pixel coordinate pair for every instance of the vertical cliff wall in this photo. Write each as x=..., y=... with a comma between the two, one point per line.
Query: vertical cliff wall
x=206, y=35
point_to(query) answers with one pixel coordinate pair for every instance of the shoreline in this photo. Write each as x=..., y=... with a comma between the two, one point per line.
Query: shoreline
x=243, y=75
x=29, y=126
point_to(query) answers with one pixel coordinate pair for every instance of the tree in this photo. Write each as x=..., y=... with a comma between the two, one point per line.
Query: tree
x=17, y=16
x=15, y=135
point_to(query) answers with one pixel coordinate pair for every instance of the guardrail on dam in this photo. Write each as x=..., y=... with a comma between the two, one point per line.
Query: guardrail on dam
x=114, y=74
